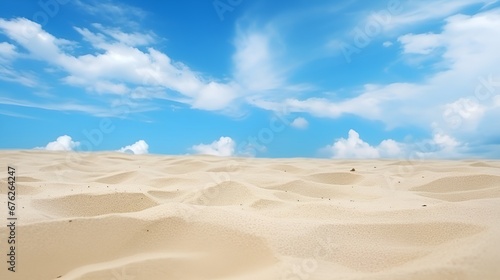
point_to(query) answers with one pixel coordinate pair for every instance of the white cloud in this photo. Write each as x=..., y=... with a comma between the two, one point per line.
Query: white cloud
x=355, y=147
x=444, y=141
x=121, y=68
x=466, y=68
x=440, y=145
x=416, y=12
x=255, y=62
x=7, y=51
x=420, y=43
x=121, y=64
x=118, y=110
x=63, y=143
x=130, y=39
x=215, y=96
x=464, y=113
x=138, y=148
x=112, y=11
x=7, y=73
x=300, y=123
x=387, y=44
x=223, y=147
x=109, y=36
x=27, y=33
x=391, y=149
x=396, y=17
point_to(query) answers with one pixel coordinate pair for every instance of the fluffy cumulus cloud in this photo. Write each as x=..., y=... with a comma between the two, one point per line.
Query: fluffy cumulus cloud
x=355, y=147
x=138, y=148
x=300, y=123
x=223, y=147
x=62, y=143
x=440, y=145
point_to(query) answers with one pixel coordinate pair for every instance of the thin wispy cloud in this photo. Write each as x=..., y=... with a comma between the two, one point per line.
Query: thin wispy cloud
x=113, y=11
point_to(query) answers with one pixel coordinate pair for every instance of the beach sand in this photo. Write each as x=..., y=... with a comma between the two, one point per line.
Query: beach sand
x=115, y=216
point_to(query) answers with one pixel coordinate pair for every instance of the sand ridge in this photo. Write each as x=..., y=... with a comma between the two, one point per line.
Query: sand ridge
x=119, y=216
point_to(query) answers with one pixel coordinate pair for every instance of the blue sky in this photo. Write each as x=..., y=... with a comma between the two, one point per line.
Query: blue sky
x=339, y=79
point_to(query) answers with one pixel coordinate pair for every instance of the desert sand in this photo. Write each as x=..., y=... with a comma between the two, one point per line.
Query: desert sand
x=115, y=216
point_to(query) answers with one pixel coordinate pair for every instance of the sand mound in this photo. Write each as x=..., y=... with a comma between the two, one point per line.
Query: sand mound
x=310, y=189
x=94, y=205
x=226, y=193
x=460, y=183
x=482, y=164
x=121, y=177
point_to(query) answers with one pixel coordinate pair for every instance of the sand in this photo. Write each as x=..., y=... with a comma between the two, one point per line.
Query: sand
x=115, y=216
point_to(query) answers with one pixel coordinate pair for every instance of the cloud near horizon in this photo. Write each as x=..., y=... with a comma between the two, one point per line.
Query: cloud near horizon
x=138, y=148
x=66, y=143
x=224, y=147
x=353, y=147
x=300, y=123
x=62, y=143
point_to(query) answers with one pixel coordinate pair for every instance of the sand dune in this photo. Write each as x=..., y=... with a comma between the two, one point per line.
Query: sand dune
x=115, y=216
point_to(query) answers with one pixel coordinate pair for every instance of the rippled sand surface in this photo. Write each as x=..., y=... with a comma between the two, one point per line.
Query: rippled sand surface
x=114, y=216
